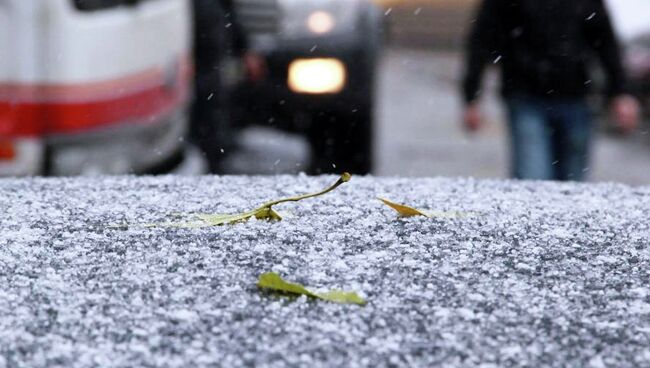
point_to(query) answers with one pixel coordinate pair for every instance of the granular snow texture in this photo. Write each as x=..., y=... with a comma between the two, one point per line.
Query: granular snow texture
x=542, y=274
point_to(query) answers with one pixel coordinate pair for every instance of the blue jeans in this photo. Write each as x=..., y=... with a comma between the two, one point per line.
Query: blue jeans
x=550, y=138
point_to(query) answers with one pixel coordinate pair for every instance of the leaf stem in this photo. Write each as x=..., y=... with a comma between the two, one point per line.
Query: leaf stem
x=345, y=177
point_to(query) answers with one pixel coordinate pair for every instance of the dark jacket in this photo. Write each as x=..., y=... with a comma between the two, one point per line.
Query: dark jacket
x=544, y=47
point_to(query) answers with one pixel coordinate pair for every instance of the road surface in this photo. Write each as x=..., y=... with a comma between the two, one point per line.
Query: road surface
x=529, y=275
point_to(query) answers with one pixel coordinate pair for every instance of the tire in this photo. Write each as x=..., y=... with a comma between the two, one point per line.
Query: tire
x=342, y=142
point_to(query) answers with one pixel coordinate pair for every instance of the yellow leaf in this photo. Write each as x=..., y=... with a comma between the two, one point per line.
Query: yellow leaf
x=406, y=211
x=342, y=297
x=264, y=212
x=273, y=281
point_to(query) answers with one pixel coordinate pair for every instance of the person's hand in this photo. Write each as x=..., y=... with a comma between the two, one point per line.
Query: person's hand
x=625, y=111
x=255, y=66
x=472, y=117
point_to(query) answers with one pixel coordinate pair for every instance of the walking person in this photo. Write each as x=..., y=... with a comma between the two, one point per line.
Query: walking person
x=544, y=50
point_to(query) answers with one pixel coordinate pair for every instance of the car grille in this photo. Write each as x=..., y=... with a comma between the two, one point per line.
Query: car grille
x=258, y=16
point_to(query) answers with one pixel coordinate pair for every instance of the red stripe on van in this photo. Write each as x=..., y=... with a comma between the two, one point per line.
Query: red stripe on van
x=134, y=103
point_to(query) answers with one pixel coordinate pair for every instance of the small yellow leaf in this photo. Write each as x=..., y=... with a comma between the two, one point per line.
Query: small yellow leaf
x=216, y=220
x=404, y=211
x=342, y=297
x=273, y=281
x=267, y=213
x=264, y=212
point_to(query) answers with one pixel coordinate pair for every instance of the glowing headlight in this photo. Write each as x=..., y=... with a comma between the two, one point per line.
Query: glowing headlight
x=317, y=76
x=320, y=22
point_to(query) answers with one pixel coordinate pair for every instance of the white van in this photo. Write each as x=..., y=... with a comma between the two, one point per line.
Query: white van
x=93, y=86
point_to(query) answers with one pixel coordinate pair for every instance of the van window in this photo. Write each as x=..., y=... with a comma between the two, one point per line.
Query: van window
x=92, y=5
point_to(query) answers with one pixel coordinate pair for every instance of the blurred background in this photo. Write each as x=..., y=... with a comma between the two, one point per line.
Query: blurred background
x=267, y=87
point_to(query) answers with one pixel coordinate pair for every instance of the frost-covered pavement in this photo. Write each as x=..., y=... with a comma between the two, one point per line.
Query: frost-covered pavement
x=544, y=274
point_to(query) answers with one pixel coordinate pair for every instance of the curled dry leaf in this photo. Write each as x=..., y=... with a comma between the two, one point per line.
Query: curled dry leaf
x=274, y=282
x=402, y=210
x=264, y=212
x=406, y=211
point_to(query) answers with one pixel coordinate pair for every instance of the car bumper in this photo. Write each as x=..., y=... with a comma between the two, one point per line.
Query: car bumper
x=125, y=148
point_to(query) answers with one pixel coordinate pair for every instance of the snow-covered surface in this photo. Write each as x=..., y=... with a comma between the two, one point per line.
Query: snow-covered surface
x=543, y=274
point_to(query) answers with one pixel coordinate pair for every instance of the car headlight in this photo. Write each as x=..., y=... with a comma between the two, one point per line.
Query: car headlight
x=302, y=18
x=317, y=76
x=321, y=22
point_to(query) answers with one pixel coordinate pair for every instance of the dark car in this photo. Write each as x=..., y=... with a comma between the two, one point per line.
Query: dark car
x=321, y=57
